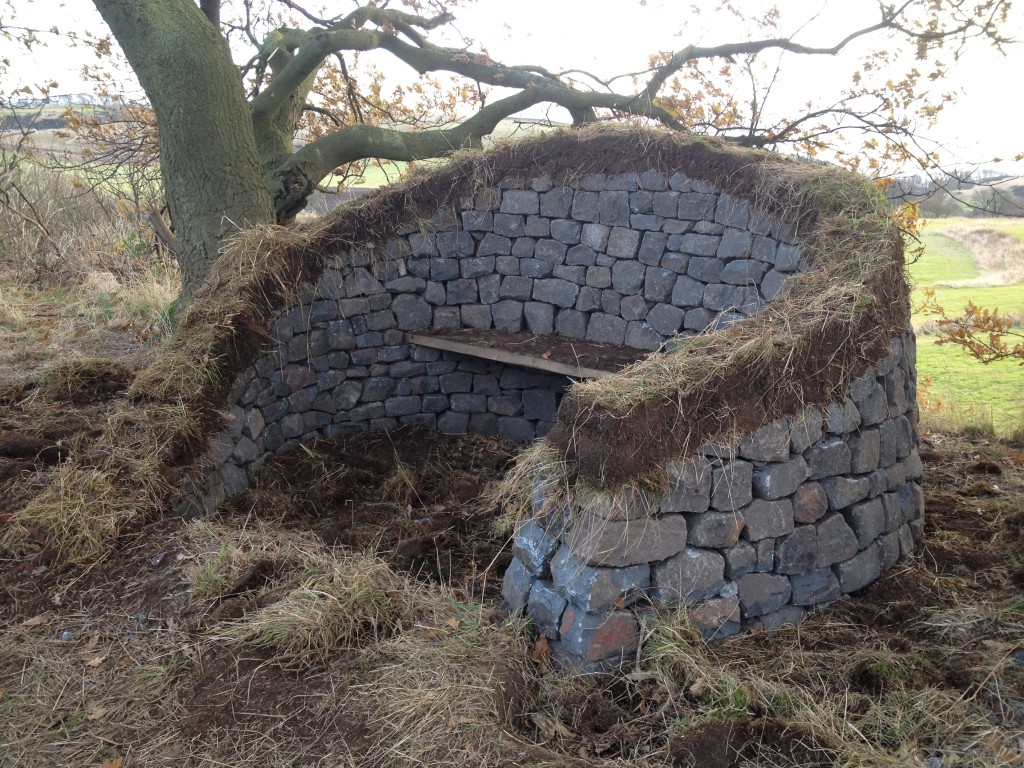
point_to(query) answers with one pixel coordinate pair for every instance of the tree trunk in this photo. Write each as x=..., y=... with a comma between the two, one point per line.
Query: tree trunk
x=212, y=173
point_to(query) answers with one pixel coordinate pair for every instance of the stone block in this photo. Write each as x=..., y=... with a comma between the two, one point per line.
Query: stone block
x=491, y=245
x=766, y=519
x=555, y=291
x=731, y=486
x=786, y=616
x=787, y=258
x=690, y=576
x=630, y=502
x=520, y=201
x=864, y=451
x=762, y=593
x=666, y=319
x=828, y=457
x=698, y=319
x=572, y=323
x=809, y=503
x=623, y=243
x=534, y=546
x=599, y=277
x=768, y=443
x=538, y=226
x=540, y=317
x=530, y=267
x=779, y=479
x=805, y=429
x=718, y=618
x=453, y=423
x=896, y=440
x=740, y=559
x=508, y=225
x=860, y=570
x=606, y=329
x=687, y=292
x=873, y=405
x=867, y=520
x=815, y=587
x=599, y=637
x=640, y=335
x=566, y=231
x=516, y=586
x=516, y=430
x=403, y=406
x=841, y=418
x=590, y=298
x=888, y=550
x=556, y=203
x=836, y=541
x=797, y=552
x=508, y=315
x=545, y=606
x=844, y=491
x=620, y=543
x=695, y=206
x=659, y=284
x=585, y=206
x=580, y=256
x=595, y=236
x=550, y=251
x=613, y=208
x=714, y=529
x=597, y=589
x=689, y=486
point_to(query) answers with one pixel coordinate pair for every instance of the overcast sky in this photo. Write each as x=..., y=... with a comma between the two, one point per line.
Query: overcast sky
x=615, y=37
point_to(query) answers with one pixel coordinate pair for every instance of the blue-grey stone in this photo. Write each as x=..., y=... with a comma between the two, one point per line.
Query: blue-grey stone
x=687, y=292
x=731, y=486
x=666, y=319
x=640, y=335
x=572, y=323
x=491, y=245
x=556, y=203
x=844, y=491
x=516, y=586
x=705, y=269
x=633, y=308
x=860, y=570
x=545, y=607
x=815, y=587
x=508, y=225
x=599, y=277
x=768, y=519
x=628, y=277
x=508, y=315
x=585, y=206
x=535, y=268
x=606, y=329
x=836, y=540
x=540, y=317
x=776, y=480
x=412, y=312
x=520, y=201
x=550, y=251
x=623, y=243
x=692, y=575
x=762, y=593
x=797, y=552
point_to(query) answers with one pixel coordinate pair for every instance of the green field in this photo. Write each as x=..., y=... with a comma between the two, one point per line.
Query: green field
x=972, y=394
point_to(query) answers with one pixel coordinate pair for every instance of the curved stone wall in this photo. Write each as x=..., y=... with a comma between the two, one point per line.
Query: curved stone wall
x=629, y=259
x=751, y=531
x=799, y=513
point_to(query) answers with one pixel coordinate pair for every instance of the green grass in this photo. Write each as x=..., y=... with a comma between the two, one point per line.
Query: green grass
x=973, y=395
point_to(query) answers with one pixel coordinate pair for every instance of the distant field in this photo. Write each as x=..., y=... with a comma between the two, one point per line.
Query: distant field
x=981, y=395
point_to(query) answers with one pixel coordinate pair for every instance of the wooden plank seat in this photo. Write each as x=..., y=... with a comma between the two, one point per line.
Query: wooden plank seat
x=553, y=353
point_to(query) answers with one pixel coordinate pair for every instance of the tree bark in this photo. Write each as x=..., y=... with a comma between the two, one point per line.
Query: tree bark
x=212, y=173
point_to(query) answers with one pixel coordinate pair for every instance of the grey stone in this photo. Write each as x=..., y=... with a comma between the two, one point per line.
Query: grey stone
x=739, y=559
x=508, y=315
x=599, y=277
x=666, y=204
x=589, y=298
x=815, y=587
x=516, y=430
x=535, y=268
x=476, y=316
x=888, y=550
x=467, y=402
x=844, y=491
x=646, y=222
x=453, y=423
x=666, y=319
x=763, y=249
x=491, y=245
x=828, y=457
x=623, y=243
x=873, y=406
x=805, y=429
x=836, y=541
x=772, y=284
x=520, y=201
x=675, y=262
x=658, y=284
x=597, y=589
x=864, y=451
x=698, y=319
x=733, y=212
x=867, y=520
x=561, y=293
x=841, y=418
x=556, y=203
x=809, y=503
x=690, y=576
x=776, y=480
x=768, y=443
x=545, y=606
x=580, y=255
x=507, y=225
x=412, y=313
x=860, y=570
x=787, y=258
x=797, y=552
x=633, y=308
x=640, y=335
x=689, y=485
x=538, y=226
x=606, y=329
x=540, y=317
x=786, y=616
x=613, y=208
x=696, y=207
x=516, y=586
x=585, y=206
x=718, y=618
x=765, y=519
x=707, y=270
x=687, y=292
x=595, y=236
x=620, y=543
x=539, y=404
x=700, y=245
x=550, y=251
x=477, y=221
x=535, y=547
x=736, y=244
x=516, y=287
x=762, y=593
x=731, y=486
x=896, y=440
x=571, y=322
x=652, y=248
x=455, y=244
x=720, y=297
x=403, y=406
x=714, y=529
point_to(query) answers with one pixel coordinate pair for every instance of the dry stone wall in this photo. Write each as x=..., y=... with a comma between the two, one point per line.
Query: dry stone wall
x=629, y=259
x=805, y=510
x=799, y=513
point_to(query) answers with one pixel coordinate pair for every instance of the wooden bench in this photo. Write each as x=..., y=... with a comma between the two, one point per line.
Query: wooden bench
x=552, y=353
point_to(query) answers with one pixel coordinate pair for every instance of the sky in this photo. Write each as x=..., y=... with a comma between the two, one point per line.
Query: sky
x=609, y=38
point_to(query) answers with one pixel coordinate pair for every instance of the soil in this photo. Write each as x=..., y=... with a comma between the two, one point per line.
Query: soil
x=742, y=742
